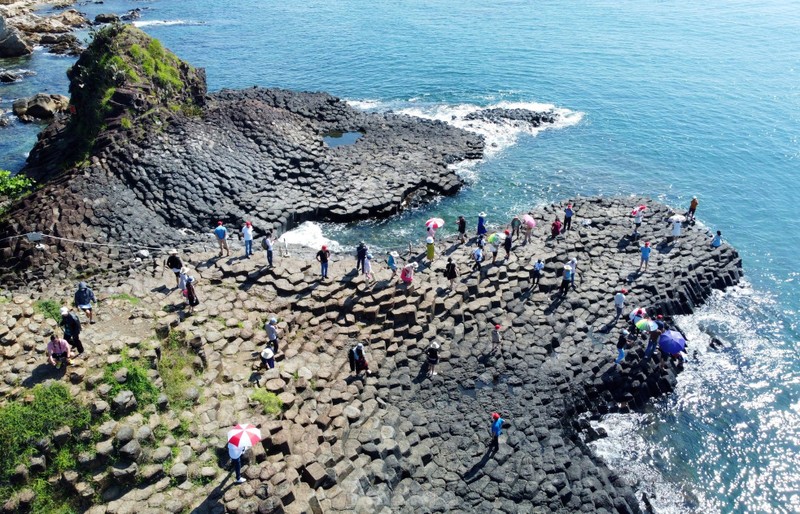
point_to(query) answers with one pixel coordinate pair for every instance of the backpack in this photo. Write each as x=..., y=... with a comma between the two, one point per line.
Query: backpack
x=264, y=244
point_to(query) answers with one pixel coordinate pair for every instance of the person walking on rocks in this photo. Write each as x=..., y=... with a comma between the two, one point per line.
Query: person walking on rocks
x=497, y=339
x=58, y=352
x=267, y=357
x=692, y=208
x=221, y=233
x=430, y=249
x=676, y=230
x=451, y=272
x=191, y=294
x=507, y=243
x=619, y=303
x=391, y=261
x=555, y=228
x=622, y=343
x=267, y=244
x=235, y=453
x=527, y=229
x=568, y=213
x=272, y=333
x=573, y=263
x=566, y=279
x=433, y=358
x=358, y=360
x=716, y=241
x=84, y=298
x=361, y=255
x=462, y=229
x=482, y=224
x=71, y=326
x=645, y=251
x=496, y=431
x=637, y=223
x=538, y=266
x=516, y=223
x=368, y=267
x=175, y=264
x=493, y=249
x=322, y=257
x=477, y=257
x=247, y=235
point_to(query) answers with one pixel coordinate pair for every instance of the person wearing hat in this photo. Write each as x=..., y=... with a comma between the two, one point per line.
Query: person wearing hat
x=267, y=357
x=430, y=249
x=497, y=431
x=174, y=263
x=221, y=233
x=84, y=298
x=507, y=243
x=645, y=251
x=573, y=263
x=391, y=261
x=482, y=224
x=361, y=255
x=407, y=274
x=692, y=208
x=462, y=229
x=637, y=222
x=619, y=302
x=58, y=352
x=183, y=277
x=622, y=343
x=191, y=293
x=272, y=333
x=71, y=326
x=568, y=212
x=368, y=267
x=322, y=257
x=566, y=279
x=247, y=235
x=497, y=338
x=433, y=358
x=676, y=230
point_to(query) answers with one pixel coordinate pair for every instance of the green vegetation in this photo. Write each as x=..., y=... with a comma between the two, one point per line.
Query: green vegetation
x=138, y=383
x=176, y=370
x=125, y=296
x=157, y=64
x=269, y=401
x=14, y=187
x=49, y=309
x=126, y=123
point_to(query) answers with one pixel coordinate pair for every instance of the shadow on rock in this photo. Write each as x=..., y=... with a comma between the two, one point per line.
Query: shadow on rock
x=44, y=372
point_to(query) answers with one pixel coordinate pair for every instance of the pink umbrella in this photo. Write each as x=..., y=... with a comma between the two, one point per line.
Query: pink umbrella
x=435, y=223
x=244, y=436
x=528, y=220
x=638, y=210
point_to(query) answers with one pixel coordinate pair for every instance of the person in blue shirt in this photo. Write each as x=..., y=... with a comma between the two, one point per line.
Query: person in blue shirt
x=716, y=242
x=497, y=430
x=566, y=280
x=568, y=212
x=482, y=224
x=645, y=250
x=537, y=272
x=222, y=238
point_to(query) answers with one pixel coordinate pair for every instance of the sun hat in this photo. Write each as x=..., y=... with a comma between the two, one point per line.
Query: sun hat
x=414, y=265
x=173, y=252
x=360, y=345
x=482, y=214
x=273, y=321
x=495, y=416
x=497, y=327
x=567, y=266
x=185, y=270
x=435, y=346
x=394, y=254
x=369, y=256
x=64, y=311
x=429, y=240
x=267, y=353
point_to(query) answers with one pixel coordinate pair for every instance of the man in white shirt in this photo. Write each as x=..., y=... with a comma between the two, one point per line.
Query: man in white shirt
x=537, y=272
x=619, y=303
x=247, y=233
x=235, y=453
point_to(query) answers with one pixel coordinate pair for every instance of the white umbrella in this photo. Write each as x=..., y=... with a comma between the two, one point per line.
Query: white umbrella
x=677, y=217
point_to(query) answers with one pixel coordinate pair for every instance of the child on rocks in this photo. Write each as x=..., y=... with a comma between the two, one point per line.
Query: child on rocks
x=391, y=261
x=497, y=338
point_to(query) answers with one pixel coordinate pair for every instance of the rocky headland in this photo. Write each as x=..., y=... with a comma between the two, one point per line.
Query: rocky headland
x=395, y=441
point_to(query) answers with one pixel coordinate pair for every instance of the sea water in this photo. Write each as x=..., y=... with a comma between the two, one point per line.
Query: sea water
x=663, y=98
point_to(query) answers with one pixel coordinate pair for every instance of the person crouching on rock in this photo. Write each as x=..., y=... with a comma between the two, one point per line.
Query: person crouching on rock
x=267, y=357
x=496, y=431
x=407, y=274
x=175, y=264
x=358, y=360
x=433, y=358
x=58, y=352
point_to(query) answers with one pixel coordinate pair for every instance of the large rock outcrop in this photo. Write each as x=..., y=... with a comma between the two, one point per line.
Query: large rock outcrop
x=11, y=42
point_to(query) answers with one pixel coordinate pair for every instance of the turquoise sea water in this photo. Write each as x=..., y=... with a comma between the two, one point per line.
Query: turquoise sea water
x=663, y=98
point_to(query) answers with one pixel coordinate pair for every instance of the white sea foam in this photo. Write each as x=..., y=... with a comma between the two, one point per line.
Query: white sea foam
x=366, y=105
x=165, y=23
x=309, y=234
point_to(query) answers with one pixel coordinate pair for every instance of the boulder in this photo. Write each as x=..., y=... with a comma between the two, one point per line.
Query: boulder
x=105, y=18
x=131, y=451
x=124, y=472
x=7, y=76
x=11, y=42
x=124, y=403
x=40, y=106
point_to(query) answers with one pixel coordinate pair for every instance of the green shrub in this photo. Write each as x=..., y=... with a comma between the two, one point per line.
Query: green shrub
x=48, y=308
x=125, y=296
x=269, y=401
x=14, y=187
x=137, y=382
x=127, y=125
x=176, y=370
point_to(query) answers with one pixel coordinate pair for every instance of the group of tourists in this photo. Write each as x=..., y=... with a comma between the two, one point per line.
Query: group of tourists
x=61, y=350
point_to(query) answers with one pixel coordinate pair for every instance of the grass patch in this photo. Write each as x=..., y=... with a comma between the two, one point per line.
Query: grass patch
x=125, y=296
x=126, y=123
x=14, y=186
x=176, y=370
x=49, y=309
x=269, y=401
x=138, y=383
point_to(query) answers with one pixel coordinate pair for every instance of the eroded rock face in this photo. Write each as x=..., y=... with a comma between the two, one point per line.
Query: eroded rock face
x=11, y=42
x=40, y=107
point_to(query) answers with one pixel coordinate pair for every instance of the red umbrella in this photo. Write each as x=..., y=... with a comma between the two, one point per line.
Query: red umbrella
x=638, y=210
x=436, y=223
x=244, y=436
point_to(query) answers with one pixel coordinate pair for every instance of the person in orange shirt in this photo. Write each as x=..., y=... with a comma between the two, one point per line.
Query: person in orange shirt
x=693, y=207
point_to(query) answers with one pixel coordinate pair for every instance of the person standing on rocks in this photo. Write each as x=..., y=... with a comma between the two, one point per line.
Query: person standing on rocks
x=692, y=208
x=716, y=241
x=516, y=223
x=496, y=431
x=555, y=228
x=507, y=244
x=676, y=230
x=568, y=213
x=235, y=453
x=267, y=244
x=368, y=267
x=433, y=358
x=477, y=257
x=538, y=266
x=451, y=272
x=221, y=233
x=497, y=339
x=430, y=249
x=573, y=263
x=361, y=255
x=58, y=352
x=391, y=261
x=622, y=343
x=322, y=257
x=493, y=249
x=71, y=326
x=637, y=223
x=462, y=229
x=175, y=264
x=566, y=279
x=645, y=251
x=527, y=229
x=407, y=274
x=619, y=303
x=482, y=224
x=84, y=298
x=272, y=333
x=191, y=294
x=247, y=235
